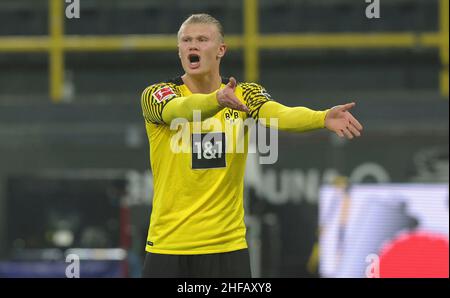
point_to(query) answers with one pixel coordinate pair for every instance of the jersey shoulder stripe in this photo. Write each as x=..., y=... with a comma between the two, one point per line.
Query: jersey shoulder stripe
x=254, y=96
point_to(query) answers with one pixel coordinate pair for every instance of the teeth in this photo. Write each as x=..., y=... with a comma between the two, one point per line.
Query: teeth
x=194, y=64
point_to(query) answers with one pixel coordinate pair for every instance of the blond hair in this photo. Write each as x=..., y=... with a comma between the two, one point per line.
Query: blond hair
x=203, y=18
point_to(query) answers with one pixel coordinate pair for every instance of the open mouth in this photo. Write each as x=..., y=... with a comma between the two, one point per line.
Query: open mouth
x=194, y=60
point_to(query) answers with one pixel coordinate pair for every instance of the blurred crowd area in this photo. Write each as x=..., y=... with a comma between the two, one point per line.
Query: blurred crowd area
x=74, y=173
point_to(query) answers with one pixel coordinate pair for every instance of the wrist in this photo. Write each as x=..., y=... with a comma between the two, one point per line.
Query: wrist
x=215, y=98
x=325, y=118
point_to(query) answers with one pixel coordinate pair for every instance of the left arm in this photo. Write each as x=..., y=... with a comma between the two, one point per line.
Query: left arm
x=300, y=119
x=297, y=119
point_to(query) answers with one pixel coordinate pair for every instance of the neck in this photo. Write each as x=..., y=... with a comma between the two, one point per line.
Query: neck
x=203, y=83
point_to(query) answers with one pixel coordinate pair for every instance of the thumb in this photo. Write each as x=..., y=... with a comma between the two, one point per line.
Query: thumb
x=347, y=106
x=232, y=83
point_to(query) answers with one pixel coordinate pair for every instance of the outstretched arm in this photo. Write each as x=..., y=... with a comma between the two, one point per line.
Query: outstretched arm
x=296, y=119
x=300, y=119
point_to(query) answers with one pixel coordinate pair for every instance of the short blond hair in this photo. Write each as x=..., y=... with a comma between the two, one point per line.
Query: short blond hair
x=203, y=18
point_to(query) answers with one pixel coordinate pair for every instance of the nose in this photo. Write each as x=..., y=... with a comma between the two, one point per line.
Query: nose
x=193, y=46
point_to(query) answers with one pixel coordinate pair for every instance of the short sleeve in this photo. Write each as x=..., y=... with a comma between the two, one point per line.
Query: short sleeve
x=153, y=100
x=254, y=96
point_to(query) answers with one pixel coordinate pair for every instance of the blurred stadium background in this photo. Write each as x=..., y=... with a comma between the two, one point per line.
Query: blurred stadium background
x=74, y=155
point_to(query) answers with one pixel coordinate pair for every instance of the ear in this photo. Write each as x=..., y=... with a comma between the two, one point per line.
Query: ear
x=222, y=50
x=178, y=48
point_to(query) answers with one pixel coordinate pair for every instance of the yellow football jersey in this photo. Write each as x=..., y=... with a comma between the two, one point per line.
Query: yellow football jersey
x=198, y=170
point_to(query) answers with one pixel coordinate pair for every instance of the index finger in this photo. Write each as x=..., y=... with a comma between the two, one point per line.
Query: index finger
x=244, y=108
x=240, y=106
x=355, y=122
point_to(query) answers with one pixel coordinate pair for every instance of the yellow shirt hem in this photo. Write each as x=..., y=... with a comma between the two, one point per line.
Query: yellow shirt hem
x=148, y=248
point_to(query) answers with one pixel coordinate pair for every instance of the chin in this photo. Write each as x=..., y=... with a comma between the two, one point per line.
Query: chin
x=195, y=72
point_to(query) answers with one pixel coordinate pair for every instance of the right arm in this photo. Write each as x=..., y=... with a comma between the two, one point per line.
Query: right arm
x=161, y=105
x=184, y=107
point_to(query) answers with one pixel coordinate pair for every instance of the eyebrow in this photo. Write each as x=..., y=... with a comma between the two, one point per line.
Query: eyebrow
x=199, y=36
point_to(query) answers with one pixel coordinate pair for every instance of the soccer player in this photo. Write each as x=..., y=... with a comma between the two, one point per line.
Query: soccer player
x=197, y=224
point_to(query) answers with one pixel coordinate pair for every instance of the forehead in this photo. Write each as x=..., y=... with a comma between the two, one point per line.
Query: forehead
x=199, y=29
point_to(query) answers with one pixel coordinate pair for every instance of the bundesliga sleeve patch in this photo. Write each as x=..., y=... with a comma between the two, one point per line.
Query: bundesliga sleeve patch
x=164, y=94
